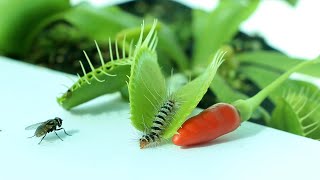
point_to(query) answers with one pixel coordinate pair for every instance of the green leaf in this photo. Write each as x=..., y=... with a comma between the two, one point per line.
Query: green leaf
x=124, y=18
x=277, y=61
x=284, y=118
x=292, y=2
x=297, y=112
x=211, y=30
x=262, y=77
x=22, y=20
x=224, y=92
x=99, y=24
x=167, y=45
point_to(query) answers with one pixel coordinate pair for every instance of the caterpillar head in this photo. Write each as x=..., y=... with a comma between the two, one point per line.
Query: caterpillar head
x=143, y=143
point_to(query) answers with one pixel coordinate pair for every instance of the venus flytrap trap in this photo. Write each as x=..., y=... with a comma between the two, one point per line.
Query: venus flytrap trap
x=297, y=112
x=111, y=76
x=155, y=110
x=108, y=78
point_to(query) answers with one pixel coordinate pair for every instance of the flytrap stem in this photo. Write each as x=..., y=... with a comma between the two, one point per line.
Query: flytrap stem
x=246, y=107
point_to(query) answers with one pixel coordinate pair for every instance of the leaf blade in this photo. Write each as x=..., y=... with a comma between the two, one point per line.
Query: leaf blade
x=284, y=118
x=277, y=61
x=213, y=29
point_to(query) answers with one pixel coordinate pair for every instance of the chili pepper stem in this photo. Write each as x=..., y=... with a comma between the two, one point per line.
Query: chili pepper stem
x=246, y=107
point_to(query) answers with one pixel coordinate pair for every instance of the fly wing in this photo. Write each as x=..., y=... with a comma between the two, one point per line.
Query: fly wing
x=34, y=126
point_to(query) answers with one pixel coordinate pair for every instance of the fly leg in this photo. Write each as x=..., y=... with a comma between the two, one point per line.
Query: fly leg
x=42, y=138
x=32, y=136
x=64, y=131
x=58, y=136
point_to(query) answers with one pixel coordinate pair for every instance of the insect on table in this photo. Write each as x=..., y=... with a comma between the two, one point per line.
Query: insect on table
x=43, y=128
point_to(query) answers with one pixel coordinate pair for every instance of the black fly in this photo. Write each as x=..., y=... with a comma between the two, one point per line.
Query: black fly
x=43, y=128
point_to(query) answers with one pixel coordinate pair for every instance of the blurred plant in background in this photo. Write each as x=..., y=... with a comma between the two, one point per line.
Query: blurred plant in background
x=53, y=34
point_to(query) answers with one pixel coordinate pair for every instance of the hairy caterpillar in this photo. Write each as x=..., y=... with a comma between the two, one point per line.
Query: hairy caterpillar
x=160, y=122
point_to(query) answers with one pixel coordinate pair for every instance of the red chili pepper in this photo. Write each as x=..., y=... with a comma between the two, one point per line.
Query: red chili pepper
x=223, y=118
x=211, y=123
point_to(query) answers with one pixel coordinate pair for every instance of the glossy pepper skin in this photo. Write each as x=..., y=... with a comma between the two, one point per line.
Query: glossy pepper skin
x=208, y=125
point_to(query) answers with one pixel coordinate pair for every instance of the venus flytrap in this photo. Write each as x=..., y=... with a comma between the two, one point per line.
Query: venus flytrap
x=297, y=112
x=108, y=78
x=149, y=94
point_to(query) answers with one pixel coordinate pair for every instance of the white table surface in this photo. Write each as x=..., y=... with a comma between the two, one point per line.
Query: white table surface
x=104, y=145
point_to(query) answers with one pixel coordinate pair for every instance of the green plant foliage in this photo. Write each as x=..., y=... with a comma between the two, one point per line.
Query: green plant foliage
x=167, y=45
x=146, y=83
x=262, y=77
x=211, y=30
x=297, y=111
x=276, y=61
x=247, y=107
x=108, y=78
x=292, y=2
x=224, y=92
x=22, y=20
x=99, y=24
x=284, y=118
